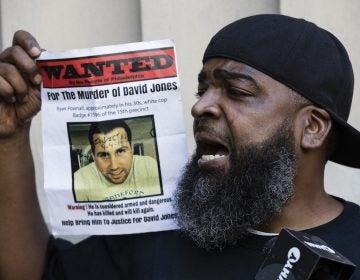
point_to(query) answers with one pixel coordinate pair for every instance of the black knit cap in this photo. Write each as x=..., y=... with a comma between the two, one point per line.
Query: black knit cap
x=302, y=56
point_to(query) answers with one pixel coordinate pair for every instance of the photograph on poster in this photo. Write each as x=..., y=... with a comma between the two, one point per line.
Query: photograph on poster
x=114, y=159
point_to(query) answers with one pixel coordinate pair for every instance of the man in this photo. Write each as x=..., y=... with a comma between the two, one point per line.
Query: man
x=274, y=95
x=115, y=173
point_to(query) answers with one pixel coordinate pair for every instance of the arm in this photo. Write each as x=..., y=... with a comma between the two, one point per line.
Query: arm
x=23, y=233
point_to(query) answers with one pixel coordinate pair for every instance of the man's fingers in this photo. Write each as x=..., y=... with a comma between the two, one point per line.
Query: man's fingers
x=27, y=110
x=17, y=56
x=27, y=42
x=12, y=85
x=6, y=91
x=18, y=67
x=19, y=83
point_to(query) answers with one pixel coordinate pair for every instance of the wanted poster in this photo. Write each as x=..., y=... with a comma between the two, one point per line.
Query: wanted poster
x=114, y=138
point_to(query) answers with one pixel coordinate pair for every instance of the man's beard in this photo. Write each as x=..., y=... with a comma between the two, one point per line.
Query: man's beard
x=217, y=209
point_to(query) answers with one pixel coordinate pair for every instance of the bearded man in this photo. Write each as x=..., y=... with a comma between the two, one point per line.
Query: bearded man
x=274, y=96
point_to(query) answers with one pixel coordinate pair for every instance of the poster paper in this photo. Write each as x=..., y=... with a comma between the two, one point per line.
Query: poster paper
x=102, y=176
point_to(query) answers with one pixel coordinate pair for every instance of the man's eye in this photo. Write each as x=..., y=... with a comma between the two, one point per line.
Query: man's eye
x=103, y=155
x=120, y=151
x=199, y=93
x=238, y=93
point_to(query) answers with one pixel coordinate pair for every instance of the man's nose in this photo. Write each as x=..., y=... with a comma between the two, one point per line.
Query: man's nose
x=114, y=164
x=208, y=104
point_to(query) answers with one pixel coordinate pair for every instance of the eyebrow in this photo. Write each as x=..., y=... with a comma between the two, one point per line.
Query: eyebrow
x=228, y=75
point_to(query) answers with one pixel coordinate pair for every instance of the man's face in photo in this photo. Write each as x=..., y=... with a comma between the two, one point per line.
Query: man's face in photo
x=113, y=155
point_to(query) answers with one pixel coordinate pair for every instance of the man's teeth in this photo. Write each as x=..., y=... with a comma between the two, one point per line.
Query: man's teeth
x=211, y=157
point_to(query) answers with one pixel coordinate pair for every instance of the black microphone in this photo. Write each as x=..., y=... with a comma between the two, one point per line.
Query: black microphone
x=301, y=256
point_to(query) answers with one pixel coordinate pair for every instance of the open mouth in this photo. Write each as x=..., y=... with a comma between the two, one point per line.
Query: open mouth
x=212, y=152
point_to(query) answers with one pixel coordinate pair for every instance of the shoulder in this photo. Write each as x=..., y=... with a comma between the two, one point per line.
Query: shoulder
x=345, y=223
x=144, y=159
x=144, y=163
x=343, y=233
x=90, y=168
x=350, y=215
x=86, y=173
x=86, y=176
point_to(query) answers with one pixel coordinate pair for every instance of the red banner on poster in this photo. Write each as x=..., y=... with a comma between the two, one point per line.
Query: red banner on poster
x=108, y=69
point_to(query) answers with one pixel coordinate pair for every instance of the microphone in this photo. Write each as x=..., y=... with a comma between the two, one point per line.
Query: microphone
x=301, y=256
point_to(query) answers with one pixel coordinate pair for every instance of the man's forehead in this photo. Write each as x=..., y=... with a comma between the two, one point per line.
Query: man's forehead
x=243, y=75
x=228, y=69
x=114, y=138
x=215, y=65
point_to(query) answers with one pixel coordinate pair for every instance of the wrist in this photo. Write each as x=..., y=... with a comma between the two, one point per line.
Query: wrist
x=20, y=137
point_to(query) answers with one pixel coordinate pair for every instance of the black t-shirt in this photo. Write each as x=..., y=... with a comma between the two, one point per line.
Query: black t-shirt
x=170, y=255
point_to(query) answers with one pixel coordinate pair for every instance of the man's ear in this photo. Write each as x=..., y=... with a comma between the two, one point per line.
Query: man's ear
x=317, y=124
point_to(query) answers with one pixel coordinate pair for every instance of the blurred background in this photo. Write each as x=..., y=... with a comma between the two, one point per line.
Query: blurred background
x=69, y=24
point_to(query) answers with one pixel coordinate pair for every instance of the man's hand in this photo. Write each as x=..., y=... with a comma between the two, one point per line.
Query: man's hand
x=19, y=83
x=23, y=232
